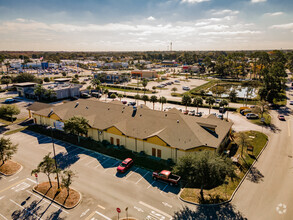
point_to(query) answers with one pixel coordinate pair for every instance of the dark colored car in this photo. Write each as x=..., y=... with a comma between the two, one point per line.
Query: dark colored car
x=131, y=103
x=281, y=117
x=222, y=110
x=125, y=165
x=251, y=116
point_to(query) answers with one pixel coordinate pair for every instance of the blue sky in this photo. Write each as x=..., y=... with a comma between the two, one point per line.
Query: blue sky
x=115, y=25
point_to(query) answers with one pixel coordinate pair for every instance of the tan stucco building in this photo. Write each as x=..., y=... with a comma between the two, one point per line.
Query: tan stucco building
x=161, y=134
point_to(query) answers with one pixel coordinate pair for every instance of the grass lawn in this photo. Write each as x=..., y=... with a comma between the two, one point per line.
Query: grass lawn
x=223, y=192
x=16, y=130
x=267, y=121
x=9, y=167
x=8, y=122
x=69, y=201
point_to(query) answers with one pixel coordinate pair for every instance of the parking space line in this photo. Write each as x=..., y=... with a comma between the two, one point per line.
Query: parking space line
x=3, y=217
x=12, y=185
x=25, y=209
x=86, y=156
x=102, y=163
x=102, y=207
x=142, y=177
x=103, y=215
x=157, y=210
x=131, y=173
x=53, y=204
x=164, y=189
x=73, y=150
x=112, y=166
x=90, y=161
x=151, y=184
x=31, y=180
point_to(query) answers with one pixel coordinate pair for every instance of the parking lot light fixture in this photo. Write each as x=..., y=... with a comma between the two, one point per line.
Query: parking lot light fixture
x=51, y=128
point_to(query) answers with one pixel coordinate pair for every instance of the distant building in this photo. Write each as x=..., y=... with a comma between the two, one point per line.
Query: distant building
x=111, y=77
x=168, y=63
x=188, y=69
x=147, y=74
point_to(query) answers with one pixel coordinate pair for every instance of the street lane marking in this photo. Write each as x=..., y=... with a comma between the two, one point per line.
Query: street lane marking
x=13, y=179
x=25, y=209
x=12, y=185
x=58, y=207
x=103, y=215
x=167, y=204
x=138, y=209
x=154, y=215
x=3, y=217
x=91, y=215
x=102, y=207
x=2, y=197
x=142, y=177
x=155, y=209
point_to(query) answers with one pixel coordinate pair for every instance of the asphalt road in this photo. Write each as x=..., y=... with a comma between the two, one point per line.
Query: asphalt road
x=267, y=193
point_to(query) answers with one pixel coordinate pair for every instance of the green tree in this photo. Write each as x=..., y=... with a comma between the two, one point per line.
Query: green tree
x=106, y=91
x=95, y=82
x=243, y=141
x=50, y=93
x=197, y=101
x=162, y=100
x=112, y=96
x=9, y=111
x=67, y=179
x=174, y=89
x=120, y=96
x=186, y=100
x=76, y=126
x=223, y=103
x=39, y=91
x=210, y=101
x=47, y=166
x=204, y=169
x=7, y=149
x=145, y=98
x=137, y=97
x=153, y=99
x=46, y=79
x=6, y=81
x=144, y=84
x=233, y=96
x=154, y=88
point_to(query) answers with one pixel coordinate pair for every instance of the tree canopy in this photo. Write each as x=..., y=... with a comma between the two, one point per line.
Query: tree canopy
x=7, y=149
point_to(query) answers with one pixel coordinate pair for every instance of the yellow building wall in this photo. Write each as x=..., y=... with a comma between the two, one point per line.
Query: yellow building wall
x=200, y=149
x=114, y=130
x=156, y=140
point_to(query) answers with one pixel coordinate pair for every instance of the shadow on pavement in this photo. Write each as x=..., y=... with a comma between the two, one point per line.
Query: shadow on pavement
x=29, y=212
x=255, y=175
x=209, y=212
x=55, y=215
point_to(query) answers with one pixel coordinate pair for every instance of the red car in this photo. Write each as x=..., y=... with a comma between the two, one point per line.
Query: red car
x=124, y=102
x=125, y=165
x=281, y=117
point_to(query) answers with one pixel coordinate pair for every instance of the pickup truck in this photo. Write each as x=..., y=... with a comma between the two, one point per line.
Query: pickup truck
x=166, y=176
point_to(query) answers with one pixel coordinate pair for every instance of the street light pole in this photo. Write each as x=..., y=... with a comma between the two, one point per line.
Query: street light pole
x=55, y=157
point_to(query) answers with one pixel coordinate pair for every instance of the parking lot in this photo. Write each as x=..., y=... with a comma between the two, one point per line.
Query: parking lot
x=21, y=203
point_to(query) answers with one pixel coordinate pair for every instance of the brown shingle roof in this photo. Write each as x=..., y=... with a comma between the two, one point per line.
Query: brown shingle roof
x=36, y=106
x=177, y=130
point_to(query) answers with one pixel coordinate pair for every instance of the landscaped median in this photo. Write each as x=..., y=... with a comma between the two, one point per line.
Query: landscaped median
x=9, y=168
x=62, y=197
x=245, y=149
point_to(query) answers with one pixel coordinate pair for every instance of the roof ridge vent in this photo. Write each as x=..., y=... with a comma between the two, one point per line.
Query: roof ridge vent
x=177, y=121
x=76, y=104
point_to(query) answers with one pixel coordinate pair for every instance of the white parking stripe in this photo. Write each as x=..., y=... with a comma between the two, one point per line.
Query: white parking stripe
x=3, y=217
x=142, y=177
x=25, y=209
x=112, y=166
x=151, y=184
x=95, y=159
x=86, y=157
x=53, y=204
x=102, y=163
x=155, y=209
x=31, y=180
x=131, y=173
x=103, y=215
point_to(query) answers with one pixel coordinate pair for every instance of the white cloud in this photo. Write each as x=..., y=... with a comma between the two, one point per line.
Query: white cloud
x=283, y=26
x=20, y=20
x=274, y=13
x=194, y=1
x=151, y=18
x=224, y=12
x=258, y=1
x=223, y=33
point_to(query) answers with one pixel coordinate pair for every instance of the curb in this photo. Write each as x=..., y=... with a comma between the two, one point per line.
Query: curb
x=238, y=186
x=7, y=175
x=63, y=206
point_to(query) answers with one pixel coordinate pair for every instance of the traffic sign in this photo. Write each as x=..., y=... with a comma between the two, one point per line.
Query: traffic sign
x=36, y=175
x=118, y=210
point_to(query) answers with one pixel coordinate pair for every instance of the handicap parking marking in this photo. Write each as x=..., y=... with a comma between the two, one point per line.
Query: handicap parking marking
x=20, y=187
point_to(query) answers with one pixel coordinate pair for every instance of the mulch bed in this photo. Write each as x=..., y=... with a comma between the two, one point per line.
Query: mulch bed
x=9, y=167
x=61, y=197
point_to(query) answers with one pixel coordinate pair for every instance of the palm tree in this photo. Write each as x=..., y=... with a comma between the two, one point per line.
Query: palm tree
x=144, y=84
x=154, y=88
x=186, y=100
x=153, y=99
x=120, y=96
x=162, y=100
x=210, y=101
x=197, y=101
x=137, y=97
x=145, y=98
x=223, y=103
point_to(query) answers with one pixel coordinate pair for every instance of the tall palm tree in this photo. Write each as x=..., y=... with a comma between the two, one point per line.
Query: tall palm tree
x=162, y=100
x=186, y=100
x=153, y=99
x=197, y=101
x=210, y=101
x=144, y=84
x=145, y=98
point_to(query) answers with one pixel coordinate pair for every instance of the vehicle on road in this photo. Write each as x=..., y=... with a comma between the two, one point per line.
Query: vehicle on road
x=245, y=111
x=96, y=94
x=125, y=165
x=291, y=102
x=218, y=100
x=176, y=81
x=220, y=116
x=185, y=112
x=198, y=114
x=252, y=116
x=281, y=117
x=191, y=112
x=131, y=103
x=124, y=102
x=166, y=176
x=186, y=88
x=222, y=110
x=9, y=100
x=85, y=95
